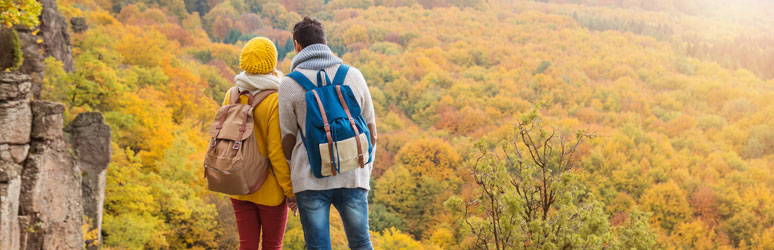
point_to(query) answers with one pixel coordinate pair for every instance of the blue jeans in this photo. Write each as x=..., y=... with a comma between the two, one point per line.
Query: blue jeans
x=314, y=207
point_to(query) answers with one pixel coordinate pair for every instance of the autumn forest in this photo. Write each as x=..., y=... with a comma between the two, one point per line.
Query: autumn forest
x=503, y=124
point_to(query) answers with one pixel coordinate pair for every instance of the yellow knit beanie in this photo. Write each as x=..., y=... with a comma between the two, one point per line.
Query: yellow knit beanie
x=259, y=56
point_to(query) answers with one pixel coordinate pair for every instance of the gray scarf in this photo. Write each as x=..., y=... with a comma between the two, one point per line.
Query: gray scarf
x=315, y=56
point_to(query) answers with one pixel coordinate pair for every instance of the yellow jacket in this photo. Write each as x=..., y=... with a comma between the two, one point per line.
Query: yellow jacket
x=267, y=133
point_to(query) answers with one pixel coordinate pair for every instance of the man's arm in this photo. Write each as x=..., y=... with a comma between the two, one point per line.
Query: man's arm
x=368, y=106
x=287, y=117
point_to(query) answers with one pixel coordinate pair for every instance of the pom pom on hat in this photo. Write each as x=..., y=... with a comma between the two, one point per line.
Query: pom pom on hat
x=259, y=56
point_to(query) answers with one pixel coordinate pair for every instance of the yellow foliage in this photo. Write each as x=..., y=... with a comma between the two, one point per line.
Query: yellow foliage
x=429, y=157
x=145, y=47
x=154, y=127
x=694, y=235
x=672, y=128
x=668, y=203
x=90, y=234
x=394, y=239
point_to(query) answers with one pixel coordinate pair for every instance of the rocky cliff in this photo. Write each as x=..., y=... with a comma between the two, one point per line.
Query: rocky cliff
x=51, y=177
x=55, y=42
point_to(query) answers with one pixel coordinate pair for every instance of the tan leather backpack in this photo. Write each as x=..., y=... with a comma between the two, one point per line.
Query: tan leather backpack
x=233, y=165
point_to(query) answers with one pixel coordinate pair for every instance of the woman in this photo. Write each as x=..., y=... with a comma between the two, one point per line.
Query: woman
x=265, y=210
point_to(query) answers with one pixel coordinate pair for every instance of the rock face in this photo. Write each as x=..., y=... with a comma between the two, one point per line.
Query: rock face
x=91, y=142
x=9, y=208
x=15, y=127
x=48, y=179
x=55, y=42
x=51, y=202
x=78, y=24
x=15, y=113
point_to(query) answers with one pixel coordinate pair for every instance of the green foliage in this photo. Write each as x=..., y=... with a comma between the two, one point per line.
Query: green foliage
x=542, y=67
x=599, y=23
x=411, y=198
x=760, y=142
x=635, y=233
x=129, y=230
x=279, y=16
x=204, y=56
x=468, y=3
x=356, y=4
x=286, y=48
x=20, y=12
x=15, y=56
x=380, y=218
x=199, y=6
x=528, y=197
x=233, y=36
x=139, y=76
x=55, y=84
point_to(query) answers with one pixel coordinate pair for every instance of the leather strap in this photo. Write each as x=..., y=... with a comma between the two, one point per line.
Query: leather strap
x=327, y=130
x=354, y=127
x=248, y=94
x=252, y=100
x=238, y=142
x=258, y=98
x=233, y=95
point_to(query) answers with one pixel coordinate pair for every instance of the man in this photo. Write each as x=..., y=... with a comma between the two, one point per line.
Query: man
x=346, y=191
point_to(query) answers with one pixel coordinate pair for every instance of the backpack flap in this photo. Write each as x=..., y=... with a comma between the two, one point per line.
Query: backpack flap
x=231, y=122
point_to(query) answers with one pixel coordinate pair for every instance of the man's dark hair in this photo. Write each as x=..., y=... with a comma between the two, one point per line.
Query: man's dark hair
x=309, y=31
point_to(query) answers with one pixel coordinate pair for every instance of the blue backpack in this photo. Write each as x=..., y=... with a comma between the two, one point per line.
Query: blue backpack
x=337, y=139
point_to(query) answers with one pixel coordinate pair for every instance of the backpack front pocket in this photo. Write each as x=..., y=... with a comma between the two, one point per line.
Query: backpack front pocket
x=225, y=180
x=345, y=154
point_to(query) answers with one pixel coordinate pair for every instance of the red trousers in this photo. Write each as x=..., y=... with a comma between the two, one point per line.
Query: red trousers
x=251, y=218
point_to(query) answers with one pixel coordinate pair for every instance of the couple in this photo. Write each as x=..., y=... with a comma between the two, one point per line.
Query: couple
x=279, y=129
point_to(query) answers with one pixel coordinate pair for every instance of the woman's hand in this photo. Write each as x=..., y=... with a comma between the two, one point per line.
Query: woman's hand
x=292, y=204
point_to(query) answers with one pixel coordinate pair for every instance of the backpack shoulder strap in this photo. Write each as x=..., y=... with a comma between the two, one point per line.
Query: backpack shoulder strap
x=233, y=93
x=302, y=80
x=341, y=74
x=258, y=98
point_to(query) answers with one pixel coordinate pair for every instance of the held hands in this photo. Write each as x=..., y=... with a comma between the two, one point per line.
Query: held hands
x=292, y=204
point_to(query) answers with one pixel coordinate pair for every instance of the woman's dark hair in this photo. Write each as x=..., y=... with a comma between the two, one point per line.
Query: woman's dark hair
x=309, y=31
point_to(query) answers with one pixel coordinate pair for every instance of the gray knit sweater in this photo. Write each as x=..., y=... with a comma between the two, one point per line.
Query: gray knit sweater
x=292, y=108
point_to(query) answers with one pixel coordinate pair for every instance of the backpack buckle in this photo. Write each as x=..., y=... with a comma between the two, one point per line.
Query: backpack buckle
x=212, y=142
x=327, y=127
x=236, y=146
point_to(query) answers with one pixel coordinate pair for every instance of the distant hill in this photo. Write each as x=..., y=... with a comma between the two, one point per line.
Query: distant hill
x=680, y=94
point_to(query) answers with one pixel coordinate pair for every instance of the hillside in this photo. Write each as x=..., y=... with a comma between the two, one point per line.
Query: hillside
x=680, y=96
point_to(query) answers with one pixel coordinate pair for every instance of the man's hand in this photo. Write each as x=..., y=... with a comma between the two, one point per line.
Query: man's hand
x=292, y=204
